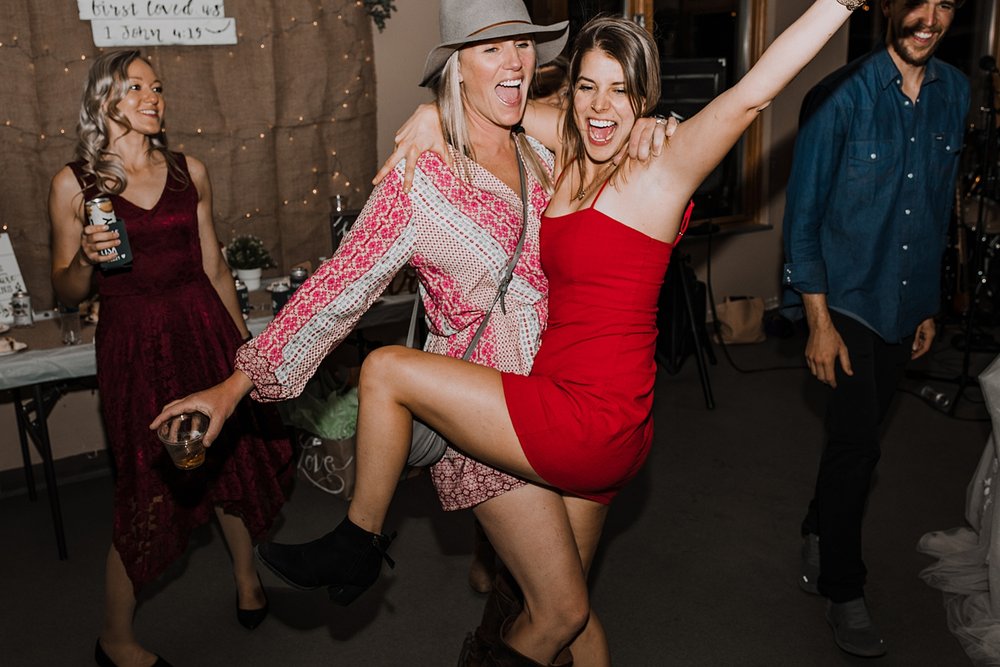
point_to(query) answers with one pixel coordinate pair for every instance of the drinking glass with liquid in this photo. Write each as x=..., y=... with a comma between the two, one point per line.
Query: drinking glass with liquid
x=182, y=436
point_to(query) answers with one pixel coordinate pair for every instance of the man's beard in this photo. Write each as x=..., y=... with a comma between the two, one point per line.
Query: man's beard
x=898, y=43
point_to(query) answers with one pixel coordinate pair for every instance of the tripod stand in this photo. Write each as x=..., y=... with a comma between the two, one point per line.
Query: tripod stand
x=681, y=320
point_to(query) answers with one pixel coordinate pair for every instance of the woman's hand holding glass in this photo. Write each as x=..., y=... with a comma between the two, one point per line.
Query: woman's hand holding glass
x=217, y=402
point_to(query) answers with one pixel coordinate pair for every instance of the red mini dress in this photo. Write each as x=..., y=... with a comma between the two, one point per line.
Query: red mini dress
x=584, y=414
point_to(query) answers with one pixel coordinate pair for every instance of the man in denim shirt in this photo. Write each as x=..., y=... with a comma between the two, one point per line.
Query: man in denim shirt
x=865, y=228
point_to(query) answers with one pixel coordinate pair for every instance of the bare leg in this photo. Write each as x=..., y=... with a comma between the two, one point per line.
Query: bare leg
x=464, y=402
x=590, y=649
x=117, y=638
x=531, y=532
x=483, y=567
x=248, y=588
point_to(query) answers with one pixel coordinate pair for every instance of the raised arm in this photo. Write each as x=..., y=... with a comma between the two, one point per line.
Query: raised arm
x=703, y=141
x=544, y=122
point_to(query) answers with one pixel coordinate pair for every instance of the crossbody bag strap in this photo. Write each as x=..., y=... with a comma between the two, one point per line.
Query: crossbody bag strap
x=508, y=272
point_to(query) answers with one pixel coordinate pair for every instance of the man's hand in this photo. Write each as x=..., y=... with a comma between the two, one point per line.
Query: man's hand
x=648, y=137
x=421, y=132
x=824, y=348
x=922, y=340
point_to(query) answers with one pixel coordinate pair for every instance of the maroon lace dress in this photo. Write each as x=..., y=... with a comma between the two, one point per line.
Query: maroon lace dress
x=164, y=333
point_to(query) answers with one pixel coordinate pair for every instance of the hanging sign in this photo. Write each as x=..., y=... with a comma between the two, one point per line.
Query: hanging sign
x=10, y=278
x=91, y=10
x=163, y=32
x=158, y=23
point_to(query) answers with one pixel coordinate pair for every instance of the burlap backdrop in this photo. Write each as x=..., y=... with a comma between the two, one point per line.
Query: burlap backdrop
x=284, y=119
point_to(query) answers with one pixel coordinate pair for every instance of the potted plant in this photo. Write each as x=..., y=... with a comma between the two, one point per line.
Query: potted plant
x=248, y=256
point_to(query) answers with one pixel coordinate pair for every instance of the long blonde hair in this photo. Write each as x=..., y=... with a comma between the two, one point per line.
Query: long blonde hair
x=448, y=92
x=107, y=85
x=631, y=47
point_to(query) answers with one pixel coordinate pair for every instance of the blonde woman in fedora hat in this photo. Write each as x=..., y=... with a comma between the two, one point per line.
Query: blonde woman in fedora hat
x=457, y=227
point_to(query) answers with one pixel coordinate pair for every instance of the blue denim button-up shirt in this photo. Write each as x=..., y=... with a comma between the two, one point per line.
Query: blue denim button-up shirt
x=871, y=190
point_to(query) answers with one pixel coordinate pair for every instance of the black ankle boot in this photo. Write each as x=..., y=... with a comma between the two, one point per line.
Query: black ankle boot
x=346, y=560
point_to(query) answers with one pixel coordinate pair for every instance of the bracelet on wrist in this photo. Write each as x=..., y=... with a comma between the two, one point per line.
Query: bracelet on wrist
x=852, y=4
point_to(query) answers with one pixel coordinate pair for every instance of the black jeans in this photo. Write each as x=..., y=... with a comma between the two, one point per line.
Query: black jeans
x=855, y=410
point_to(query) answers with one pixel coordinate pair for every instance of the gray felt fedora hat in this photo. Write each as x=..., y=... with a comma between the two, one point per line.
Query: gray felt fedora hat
x=466, y=21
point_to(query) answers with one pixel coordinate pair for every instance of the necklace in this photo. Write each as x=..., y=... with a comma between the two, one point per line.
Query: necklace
x=585, y=189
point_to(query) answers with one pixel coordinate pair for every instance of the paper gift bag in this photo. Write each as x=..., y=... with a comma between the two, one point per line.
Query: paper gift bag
x=741, y=320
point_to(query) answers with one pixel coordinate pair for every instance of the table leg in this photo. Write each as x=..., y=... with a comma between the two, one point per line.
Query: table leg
x=45, y=449
x=22, y=434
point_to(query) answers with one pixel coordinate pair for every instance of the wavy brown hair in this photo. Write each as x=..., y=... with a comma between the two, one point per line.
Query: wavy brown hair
x=107, y=85
x=631, y=47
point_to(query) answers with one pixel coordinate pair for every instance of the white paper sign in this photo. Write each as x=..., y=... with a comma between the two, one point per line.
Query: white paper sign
x=164, y=32
x=10, y=278
x=150, y=9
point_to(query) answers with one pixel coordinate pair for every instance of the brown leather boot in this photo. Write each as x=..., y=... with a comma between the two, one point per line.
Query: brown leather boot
x=504, y=602
x=502, y=655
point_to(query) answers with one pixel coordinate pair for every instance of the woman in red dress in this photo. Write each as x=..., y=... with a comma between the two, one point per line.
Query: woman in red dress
x=169, y=324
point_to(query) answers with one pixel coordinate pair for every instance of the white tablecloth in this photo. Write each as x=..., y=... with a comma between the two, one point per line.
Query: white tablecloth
x=33, y=366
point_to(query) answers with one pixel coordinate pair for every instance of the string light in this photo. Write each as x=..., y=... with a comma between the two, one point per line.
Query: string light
x=315, y=193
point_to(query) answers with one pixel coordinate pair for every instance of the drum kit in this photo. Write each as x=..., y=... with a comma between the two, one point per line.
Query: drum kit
x=977, y=250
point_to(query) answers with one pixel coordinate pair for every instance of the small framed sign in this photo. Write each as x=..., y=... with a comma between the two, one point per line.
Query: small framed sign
x=10, y=278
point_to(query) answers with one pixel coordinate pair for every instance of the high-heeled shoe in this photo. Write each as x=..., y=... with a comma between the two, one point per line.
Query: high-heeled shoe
x=346, y=560
x=251, y=618
x=104, y=660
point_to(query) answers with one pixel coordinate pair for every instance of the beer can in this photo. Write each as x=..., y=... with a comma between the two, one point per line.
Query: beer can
x=20, y=305
x=279, y=297
x=243, y=294
x=296, y=277
x=100, y=211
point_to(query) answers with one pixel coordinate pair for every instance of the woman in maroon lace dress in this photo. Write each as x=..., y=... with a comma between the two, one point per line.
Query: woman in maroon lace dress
x=170, y=324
